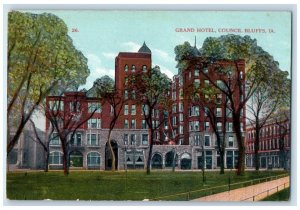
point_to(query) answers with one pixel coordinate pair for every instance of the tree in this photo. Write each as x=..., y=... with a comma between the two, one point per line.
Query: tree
x=282, y=120
x=152, y=89
x=271, y=95
x=65, y=121
x=236, y=49
x=41, y=60
x=211, y=100
x=105, y=89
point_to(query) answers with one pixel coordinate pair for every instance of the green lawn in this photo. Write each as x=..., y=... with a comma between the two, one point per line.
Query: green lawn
x=283, y=195
x=103, y=185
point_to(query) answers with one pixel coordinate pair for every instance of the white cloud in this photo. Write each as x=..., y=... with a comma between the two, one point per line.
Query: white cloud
x=97, y=70
x=109, y=55
x=162, y=55
x=131, y=46
x=166, y=71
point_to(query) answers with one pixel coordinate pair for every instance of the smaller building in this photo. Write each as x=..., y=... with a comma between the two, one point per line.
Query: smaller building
x=274, y=143
x=27, y=153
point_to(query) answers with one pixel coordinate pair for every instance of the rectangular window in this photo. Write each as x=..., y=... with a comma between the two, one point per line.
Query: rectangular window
x=75, y=106
x=196, y=72
x=219, y=112
x=125, y=139
x=206, y=82
x=126, y=110
x=55, y=140
x=219, y=126
x=174, y=108
x=92, y=139
x=180, y=81
x=133, y=95
x=132, y=139
x=133, y=110
x=205, y=70
x=197, y=140
x=196, y=125
x=230, y=141
x=145, y=109
x=94, y=123
x=206, y=140
x=181, y=117
x=174, y=95
x=94, y=107
x=206, y=111
x=144, y=124
x=56, y=105
x=191, y=126
x=174, y=120
x=145, y=139
x=76, y=139
x=206, y=126
x=125, y=123
x=156, y=123
x=133, y=124
x=180, y=129
x=181, y=107
x=180, y=142
x=125, y=94
x=197, y=83
x=229, y=128
x=228, y=112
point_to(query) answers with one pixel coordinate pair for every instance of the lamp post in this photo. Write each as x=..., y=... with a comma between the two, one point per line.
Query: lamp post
x=203, y=165
x=125, y=163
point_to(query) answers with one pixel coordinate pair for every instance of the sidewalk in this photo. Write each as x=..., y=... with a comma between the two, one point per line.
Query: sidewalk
x=250, y=193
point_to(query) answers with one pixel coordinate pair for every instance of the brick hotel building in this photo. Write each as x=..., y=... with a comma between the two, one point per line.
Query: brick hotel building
x=194, y=140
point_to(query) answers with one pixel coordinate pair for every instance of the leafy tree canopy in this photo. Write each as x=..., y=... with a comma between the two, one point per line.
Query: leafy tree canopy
x=154, y=87
x=41, y=52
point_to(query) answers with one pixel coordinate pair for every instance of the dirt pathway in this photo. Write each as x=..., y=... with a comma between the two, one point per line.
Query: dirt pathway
x=250, y=193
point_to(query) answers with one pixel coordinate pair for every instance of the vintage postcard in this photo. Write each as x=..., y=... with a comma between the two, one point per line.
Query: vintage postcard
x=148, y=105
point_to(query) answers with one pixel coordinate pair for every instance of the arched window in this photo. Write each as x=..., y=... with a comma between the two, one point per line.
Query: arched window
x=170, y=159
x=156, y=161
x=93, y=159
x=76, y=159
x=144, y=69
x=186, y=161
x=55, y=158
x=133, y=68
x=126, y=68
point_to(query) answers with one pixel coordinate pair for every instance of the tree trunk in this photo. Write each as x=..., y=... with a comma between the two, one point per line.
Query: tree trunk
x=15, y=138
x=113, y=164
x=46, y=161
x=65, y=156
x=65, y=165
x=241, y=147
x=150, y=152
x=222, y=161
x=256, y=148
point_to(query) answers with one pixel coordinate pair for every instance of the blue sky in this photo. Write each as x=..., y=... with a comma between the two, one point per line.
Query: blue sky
x=103, y=34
